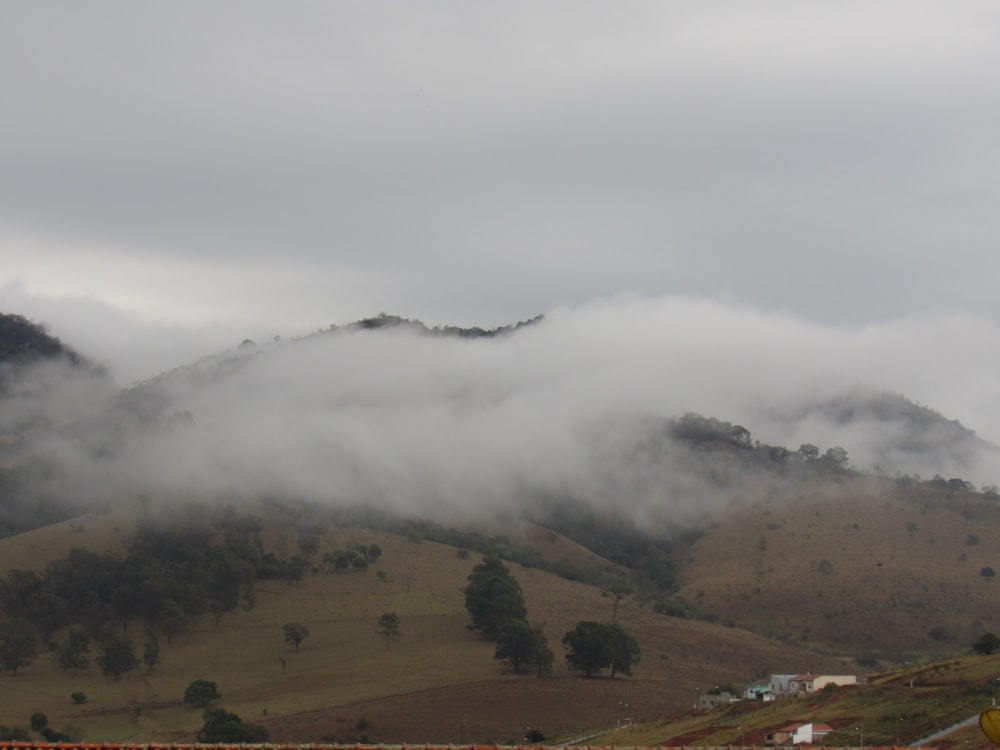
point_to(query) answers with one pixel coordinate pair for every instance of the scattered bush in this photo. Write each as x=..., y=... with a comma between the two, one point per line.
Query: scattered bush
x=79, y=698
x=201, y=693
x=987, y=644
x=939, y=633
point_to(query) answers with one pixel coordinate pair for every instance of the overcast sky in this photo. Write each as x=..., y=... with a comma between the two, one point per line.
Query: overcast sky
x=178, y=176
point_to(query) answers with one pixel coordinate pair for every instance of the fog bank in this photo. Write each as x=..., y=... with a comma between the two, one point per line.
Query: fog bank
x=446, y=425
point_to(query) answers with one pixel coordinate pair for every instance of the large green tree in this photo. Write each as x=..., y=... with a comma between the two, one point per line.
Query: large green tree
x=523, y=646
x=493, y=597
x=587, y=648
x=593, y=646
x=624, y=649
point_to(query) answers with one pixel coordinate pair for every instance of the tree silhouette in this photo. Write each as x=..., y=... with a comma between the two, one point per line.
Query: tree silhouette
x=493, y=597
x=388, y=627
x=295, y=633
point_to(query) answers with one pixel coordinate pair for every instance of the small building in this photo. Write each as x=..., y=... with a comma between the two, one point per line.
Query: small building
x=762, y=690
x=811, y=683
x=798, y=733
x=781, y=683
x=711, y=700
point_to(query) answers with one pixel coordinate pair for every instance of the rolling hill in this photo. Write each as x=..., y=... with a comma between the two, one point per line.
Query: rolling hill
x=740, y=558
x=439, y=683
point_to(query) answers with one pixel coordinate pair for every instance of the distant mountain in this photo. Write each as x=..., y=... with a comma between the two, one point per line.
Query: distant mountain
x=887, y=432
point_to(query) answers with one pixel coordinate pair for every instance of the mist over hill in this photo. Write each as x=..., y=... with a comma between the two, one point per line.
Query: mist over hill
x=457, y=423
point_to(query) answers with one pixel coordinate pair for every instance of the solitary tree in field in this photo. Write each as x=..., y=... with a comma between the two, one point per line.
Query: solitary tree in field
x=295, y=633
x=616, y=589
x=388, y=627
x=493, y=597
x=987, y=644
x=201, y=693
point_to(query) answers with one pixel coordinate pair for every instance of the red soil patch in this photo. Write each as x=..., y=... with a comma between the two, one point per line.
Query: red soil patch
x=483, y=713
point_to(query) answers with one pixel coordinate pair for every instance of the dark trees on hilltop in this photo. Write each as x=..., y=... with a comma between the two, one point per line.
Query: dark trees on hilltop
x=24, y=342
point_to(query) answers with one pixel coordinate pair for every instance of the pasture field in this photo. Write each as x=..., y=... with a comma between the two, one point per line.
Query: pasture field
x=439, y=683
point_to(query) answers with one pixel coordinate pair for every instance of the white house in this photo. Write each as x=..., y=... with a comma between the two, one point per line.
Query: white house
x=798, y=734
x=762, y=690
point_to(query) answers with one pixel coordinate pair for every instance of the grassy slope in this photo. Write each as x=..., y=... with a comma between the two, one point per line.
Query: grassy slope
x=899, y=566
x=439, y=683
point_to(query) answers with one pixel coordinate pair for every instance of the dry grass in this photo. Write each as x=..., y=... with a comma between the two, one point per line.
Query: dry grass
x=899, y=566
x=438, y=684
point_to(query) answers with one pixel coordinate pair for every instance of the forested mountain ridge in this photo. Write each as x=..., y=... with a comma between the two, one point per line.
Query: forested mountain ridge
x=24, y=342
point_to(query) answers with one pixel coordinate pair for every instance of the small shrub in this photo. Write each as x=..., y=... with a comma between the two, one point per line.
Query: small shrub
x=939, y=633
x=987, y=572
x=39, y=721
x=78, y=698
x=987, y=644
x=201, y=694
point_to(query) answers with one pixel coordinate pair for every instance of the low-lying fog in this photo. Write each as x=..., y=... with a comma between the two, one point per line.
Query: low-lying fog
x=439, y=424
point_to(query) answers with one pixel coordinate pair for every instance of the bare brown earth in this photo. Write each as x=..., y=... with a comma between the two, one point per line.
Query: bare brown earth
x=484, y=712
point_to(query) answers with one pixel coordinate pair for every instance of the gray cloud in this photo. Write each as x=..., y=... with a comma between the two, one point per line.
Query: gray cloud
x=740, y=211
x=303, y=163
x=445, y=426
